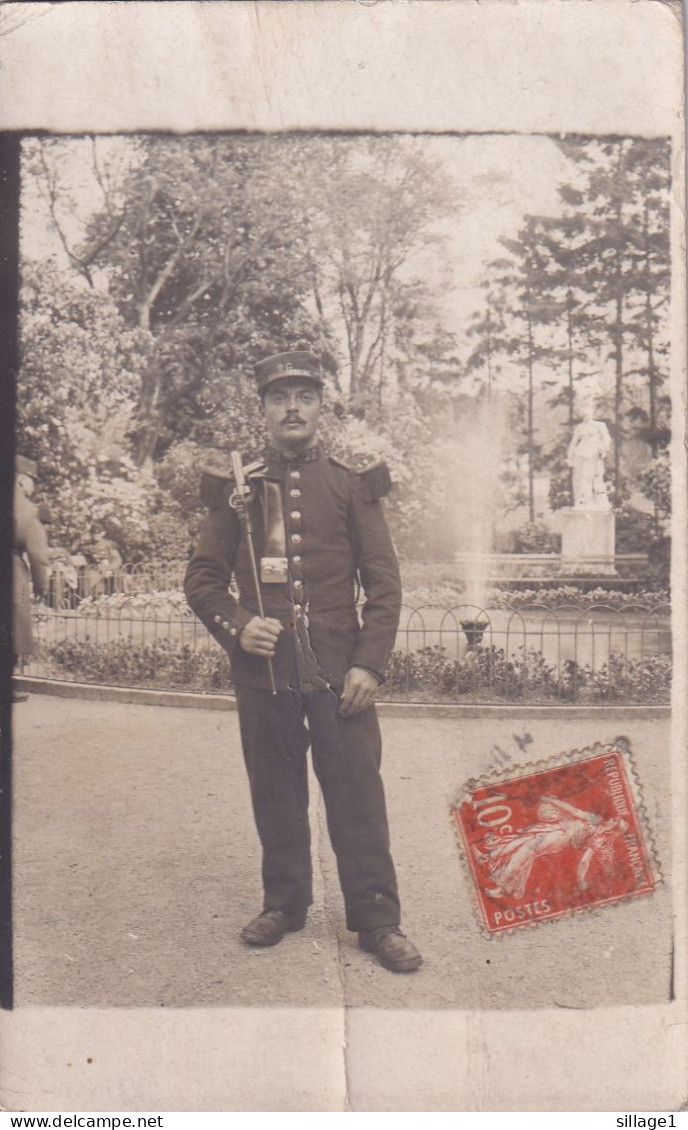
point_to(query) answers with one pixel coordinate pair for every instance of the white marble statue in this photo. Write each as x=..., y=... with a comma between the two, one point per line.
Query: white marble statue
x=589, y=445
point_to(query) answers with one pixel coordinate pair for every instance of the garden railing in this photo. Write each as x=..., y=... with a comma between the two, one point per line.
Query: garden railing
x=568, y=653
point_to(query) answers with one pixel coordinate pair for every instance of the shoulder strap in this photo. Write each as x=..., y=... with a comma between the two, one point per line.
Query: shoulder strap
x=217, y=480
x=372, y=473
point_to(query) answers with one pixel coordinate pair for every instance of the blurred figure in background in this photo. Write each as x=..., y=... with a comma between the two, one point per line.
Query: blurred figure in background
x=104, y=574
x=31, y=561
x=64, y=578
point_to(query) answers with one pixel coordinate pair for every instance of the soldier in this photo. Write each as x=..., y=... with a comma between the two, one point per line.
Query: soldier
x=318, y=526
x=31, y=561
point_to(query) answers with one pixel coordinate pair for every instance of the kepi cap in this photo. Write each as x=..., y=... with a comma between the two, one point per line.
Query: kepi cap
x=298, y=363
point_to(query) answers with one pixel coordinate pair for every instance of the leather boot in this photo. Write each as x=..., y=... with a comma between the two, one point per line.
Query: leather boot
x=270, y=927
x=391, y=948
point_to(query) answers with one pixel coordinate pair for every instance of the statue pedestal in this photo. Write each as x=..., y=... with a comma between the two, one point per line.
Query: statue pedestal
x=587, y=542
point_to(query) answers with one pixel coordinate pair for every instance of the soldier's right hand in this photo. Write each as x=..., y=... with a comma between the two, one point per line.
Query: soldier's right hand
x=259, y=637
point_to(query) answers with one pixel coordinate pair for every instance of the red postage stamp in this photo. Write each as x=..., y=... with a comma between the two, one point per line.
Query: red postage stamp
x=557, y=837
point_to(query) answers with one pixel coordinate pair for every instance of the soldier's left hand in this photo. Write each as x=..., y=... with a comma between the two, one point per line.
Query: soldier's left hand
x=360, y=688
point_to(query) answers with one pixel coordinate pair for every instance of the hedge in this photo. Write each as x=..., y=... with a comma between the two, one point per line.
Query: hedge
x=427, y=674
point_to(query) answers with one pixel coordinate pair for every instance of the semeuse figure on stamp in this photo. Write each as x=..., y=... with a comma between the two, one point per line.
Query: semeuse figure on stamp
x=318, y=524
x=509, y=859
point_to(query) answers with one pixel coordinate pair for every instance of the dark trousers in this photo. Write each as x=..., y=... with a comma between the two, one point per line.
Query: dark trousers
x=346, y=759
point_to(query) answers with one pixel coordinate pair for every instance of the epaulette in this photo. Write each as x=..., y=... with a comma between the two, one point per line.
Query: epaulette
x=373, y=473
x=217, y=476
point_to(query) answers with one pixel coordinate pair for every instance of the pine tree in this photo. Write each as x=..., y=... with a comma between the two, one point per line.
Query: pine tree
x=621, y=266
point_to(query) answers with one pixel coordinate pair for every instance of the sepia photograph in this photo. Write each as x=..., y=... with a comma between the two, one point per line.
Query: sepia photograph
x=401, y=438
x=344, y=613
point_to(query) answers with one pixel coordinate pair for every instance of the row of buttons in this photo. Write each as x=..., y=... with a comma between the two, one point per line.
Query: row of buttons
x=295, y=538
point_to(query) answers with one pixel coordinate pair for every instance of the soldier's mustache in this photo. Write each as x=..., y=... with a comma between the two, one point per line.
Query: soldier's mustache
x=293, y=418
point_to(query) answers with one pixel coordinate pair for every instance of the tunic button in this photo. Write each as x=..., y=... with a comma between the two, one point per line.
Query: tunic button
x=295, y=493
x=298, y=584
x=225, y=624
x=232, y=631
x=296, y=474
x=297, y=608
x=296, y=514
x=296, y=538
x=296, y=559
x=217, y=619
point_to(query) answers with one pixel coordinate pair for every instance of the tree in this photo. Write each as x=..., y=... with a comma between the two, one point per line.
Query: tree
x=563, y=317
x=202, y=250
x=216, y=251
x=375, y=206
x=527, y=310
x=80, y=376
x=622, y=264
x=655, y=483
x=648, y=166
x=488, y=329
x=590, y=289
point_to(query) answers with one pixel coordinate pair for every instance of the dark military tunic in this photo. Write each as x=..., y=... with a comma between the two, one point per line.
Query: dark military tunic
x=334, y=527
x=327, y=520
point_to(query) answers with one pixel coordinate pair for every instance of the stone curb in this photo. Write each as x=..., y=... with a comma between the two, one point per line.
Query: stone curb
x=188, y=699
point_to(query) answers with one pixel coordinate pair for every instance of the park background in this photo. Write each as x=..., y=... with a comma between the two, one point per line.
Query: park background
x=592, y=68
x=457, y=325
x=465, y=293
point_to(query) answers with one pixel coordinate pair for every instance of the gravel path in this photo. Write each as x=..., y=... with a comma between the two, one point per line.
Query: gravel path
x=136, y=865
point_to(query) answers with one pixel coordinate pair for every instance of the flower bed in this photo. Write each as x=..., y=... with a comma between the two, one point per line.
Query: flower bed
x=430, y=674
x=163, y=663
x=427, y=674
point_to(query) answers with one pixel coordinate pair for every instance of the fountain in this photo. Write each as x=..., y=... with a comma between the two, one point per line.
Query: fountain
x=475, y=488
x=474, y=630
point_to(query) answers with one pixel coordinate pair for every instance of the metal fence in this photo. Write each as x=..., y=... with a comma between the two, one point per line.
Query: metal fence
x=568, y=653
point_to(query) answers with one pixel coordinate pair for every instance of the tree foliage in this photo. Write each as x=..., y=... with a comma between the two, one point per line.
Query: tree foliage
x=81, y=371
x=208, y=253
x=187, y=259
x=375, y=205
x=580, y=302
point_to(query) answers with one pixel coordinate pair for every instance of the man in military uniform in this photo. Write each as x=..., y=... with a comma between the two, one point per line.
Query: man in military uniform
x=31, y=562
x=318, y=526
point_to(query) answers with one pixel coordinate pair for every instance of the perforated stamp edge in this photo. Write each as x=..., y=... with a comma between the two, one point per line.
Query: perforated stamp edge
x=620, y=745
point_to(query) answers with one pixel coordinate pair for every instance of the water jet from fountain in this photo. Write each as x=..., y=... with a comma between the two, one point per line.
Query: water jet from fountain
x=475, y=495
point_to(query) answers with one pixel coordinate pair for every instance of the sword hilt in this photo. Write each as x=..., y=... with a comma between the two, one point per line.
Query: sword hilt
x=238, y=500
